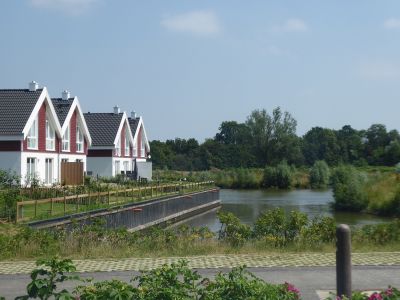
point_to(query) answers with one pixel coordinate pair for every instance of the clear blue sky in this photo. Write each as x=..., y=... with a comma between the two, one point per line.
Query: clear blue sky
x=186, y=66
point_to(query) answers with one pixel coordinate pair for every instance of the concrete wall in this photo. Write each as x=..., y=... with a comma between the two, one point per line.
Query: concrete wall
x=140, y=216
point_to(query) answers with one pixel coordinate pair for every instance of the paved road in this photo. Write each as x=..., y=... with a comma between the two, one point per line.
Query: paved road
x=307, y=279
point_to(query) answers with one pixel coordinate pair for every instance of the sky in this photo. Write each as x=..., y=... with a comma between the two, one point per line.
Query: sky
x=186, y=65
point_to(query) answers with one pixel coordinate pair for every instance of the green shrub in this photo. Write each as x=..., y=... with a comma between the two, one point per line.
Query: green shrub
x=275, y=227
x=349, y=189
x=44, y=280
x=232, y=230
x=241, y=284
x=280, y=176
x=319, y=175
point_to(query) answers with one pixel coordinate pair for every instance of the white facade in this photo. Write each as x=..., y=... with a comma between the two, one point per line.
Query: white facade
x=46, y=167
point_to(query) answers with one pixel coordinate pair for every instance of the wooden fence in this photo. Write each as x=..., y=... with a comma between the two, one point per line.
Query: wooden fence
x=69, y=204
x=72, y=173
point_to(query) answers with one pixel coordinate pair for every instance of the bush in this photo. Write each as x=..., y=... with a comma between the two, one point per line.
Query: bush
x=349, y=189
x=168, y=282
x=232, y=230
x=319, y=175
x=280, y=176
x=275, y=227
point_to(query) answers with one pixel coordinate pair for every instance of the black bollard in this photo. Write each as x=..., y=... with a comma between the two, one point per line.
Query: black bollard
x=343, y=261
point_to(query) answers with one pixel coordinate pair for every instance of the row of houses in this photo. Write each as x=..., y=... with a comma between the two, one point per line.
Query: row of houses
x=40, y=135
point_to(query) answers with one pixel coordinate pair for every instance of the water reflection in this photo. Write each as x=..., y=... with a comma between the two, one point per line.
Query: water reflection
x=247, y=205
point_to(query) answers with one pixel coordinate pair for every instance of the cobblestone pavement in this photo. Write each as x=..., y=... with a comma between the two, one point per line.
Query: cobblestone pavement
x=216, y=261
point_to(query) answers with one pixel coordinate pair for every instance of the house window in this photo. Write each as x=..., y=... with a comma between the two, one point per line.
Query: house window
x=142, y=147
x=32, y=137
x=30, y=168
x=65, y=140
x=79, y=160
x=126, y=166
x=135, y=149
x=127, y=145
x=117, y=167
x=64, y=160
x=49, y=171
x=50, y=136
x=79, y=139
x=118, y=148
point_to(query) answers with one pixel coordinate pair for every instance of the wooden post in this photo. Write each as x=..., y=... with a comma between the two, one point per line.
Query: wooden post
x=343, y=261
x=89, y=198
x=35, y=208
x=140, y=194
x=20, y=212
x=65, y=204
x=108, y=197
x=51, y=206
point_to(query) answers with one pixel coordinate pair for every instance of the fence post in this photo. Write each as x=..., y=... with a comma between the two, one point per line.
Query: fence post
x=343, y=261
x=108, y=197
x=20, y=212
x=35, y=208
x=51, y=206
x=65, y=204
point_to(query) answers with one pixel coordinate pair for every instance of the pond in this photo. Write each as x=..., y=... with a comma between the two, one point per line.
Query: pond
x=247, y=205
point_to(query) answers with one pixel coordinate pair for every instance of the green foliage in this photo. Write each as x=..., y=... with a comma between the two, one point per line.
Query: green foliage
x=44, y=280
x=349, y=189
x=319, y=175
x=106, y=290
x=278, y=229
x=241, y=284
x=232, y=230
x=168, y=282
x=280, y=176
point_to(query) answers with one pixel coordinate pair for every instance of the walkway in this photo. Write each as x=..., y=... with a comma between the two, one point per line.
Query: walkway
x=216, y=261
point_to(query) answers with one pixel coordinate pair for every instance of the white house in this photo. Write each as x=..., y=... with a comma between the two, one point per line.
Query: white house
x=74, y=131
x=111, y=151
x=119, y=143
x=31, y=134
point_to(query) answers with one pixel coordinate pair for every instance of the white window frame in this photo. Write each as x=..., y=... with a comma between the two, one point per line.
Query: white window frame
x=135, y=150
x=32, y=138
x=118, y=147
x=142, y=147
x=79, y=139
x=117, y=167
x=50, y=136
x=31, y=167
x=127, y=148
x=126, y=166
x=49, y=171
x=66, y=140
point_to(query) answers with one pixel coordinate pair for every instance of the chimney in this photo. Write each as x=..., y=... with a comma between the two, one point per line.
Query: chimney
x=65, y=95
x=133, y=115
x=33, y=86
x=116, y=110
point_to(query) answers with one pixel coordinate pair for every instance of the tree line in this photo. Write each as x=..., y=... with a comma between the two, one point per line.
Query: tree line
x=270, y=138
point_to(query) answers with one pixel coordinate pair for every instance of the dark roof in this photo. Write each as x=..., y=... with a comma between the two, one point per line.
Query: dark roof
x=16, y=107
x=103, y=127
x=62, y=108
x=133, y=124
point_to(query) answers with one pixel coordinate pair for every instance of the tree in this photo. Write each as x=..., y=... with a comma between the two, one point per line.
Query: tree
x=273, y=136
x=321, y=144
x=319, y=175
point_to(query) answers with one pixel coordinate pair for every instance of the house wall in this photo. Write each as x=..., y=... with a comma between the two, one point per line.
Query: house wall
x=128, y=160
x=100, y=166
x=11, y=160
x=40, y=166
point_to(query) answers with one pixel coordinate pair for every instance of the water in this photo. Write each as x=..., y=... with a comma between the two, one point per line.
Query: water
x=247, y=205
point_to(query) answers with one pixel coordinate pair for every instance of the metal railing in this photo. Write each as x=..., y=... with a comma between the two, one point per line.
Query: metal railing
x=74, y=203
